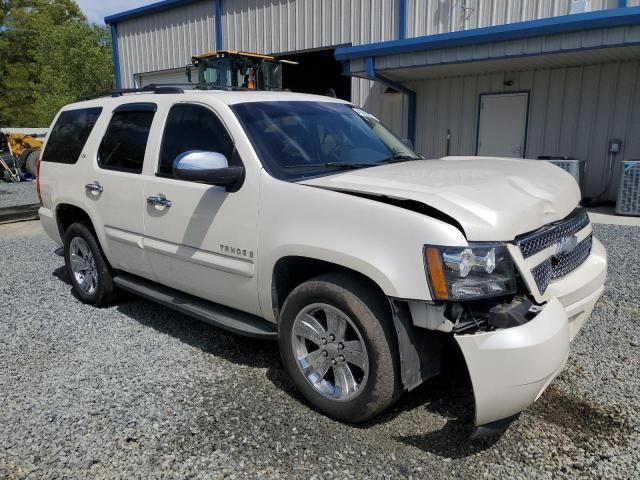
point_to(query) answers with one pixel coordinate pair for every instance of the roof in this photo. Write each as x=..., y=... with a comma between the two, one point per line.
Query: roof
x=240, y=53
x=24, y=131
x=618, y=17
x=224, y=96
x=146, y=9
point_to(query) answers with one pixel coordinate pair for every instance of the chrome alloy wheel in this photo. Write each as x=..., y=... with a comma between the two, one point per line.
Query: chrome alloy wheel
x=330, y=352
x=83, y=265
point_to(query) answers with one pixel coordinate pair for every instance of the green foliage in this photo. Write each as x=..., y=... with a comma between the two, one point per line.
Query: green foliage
x=49, y=56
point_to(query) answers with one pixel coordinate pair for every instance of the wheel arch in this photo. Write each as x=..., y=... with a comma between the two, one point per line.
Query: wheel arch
x=292, y=270
x=68, y=212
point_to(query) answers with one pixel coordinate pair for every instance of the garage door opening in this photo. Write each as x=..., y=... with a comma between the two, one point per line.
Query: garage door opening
x=317, y=72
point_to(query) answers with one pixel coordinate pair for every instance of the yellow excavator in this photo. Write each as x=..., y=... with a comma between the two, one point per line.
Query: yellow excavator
x=20, y=148
x=237, y=70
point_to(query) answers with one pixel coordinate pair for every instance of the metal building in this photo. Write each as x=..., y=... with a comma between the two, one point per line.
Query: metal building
x=520, y=78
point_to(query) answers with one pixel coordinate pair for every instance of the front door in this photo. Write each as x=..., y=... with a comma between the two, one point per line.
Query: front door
x=203, y=241
x=502, y=125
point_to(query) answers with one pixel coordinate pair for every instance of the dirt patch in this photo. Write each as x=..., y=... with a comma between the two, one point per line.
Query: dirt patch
x=583, y=421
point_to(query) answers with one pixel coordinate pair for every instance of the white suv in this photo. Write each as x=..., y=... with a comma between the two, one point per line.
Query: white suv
x=303, y=219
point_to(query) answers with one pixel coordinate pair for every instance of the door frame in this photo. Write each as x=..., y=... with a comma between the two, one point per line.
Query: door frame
x=526, y=120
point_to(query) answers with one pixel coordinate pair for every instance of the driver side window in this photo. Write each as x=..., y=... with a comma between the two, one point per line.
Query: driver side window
x=192, y=127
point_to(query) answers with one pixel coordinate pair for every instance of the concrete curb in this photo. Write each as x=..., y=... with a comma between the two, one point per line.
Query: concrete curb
x=19, y=213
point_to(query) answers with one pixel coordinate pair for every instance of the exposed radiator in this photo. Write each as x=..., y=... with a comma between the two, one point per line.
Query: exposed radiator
x=629, y=191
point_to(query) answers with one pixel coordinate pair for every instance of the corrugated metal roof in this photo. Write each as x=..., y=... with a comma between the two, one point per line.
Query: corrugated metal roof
x=514, y=31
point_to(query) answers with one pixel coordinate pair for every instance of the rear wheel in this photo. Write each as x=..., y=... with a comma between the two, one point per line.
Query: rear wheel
x=337, y=344
x=87, y=266
x=22, y=159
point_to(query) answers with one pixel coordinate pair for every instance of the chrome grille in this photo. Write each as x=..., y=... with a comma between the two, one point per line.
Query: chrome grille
x=532, y=243
x=562, y=264
x=543, y=274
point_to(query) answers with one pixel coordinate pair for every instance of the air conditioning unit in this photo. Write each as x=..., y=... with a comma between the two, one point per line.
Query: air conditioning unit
x=629, y=191
x=570, y=165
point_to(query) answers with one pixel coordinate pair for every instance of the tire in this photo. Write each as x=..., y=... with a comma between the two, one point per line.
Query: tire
x=22, y=159
x=31, y=163
x=369, y=326
x=94, y=285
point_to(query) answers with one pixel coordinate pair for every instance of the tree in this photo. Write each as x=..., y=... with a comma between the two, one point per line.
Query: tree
x=49, y=56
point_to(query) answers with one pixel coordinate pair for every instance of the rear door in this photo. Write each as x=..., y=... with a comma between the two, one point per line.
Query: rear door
x=205, y=241
x=114, y=186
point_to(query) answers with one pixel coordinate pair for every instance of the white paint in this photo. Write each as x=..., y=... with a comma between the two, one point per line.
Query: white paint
x=473, y=191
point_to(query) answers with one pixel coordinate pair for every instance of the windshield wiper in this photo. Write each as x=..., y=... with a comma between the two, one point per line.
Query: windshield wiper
x=397, y=158
x=331, y=165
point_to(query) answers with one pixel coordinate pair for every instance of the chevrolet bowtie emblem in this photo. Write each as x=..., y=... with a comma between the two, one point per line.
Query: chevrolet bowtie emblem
x=566, y=245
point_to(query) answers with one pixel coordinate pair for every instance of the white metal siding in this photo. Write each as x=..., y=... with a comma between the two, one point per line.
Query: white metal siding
x=429, y=17
x=561, y=42
x=574, y=112
x=269, y=26
x=390, y=108
x=166, y=39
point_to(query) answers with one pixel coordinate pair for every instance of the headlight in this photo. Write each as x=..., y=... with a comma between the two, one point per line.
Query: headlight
x=480, y=270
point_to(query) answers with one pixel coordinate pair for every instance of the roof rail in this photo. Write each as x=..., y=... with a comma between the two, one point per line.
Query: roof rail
x=153, y=88
x=167, y=88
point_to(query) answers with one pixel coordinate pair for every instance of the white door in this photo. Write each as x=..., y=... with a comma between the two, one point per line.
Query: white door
x=115, y=183
x=502, y=125
x=205, y=241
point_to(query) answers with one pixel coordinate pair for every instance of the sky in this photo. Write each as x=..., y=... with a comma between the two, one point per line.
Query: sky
x=96, y=10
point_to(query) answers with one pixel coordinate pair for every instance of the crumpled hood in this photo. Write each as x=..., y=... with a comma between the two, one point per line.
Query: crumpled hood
x=493, y=199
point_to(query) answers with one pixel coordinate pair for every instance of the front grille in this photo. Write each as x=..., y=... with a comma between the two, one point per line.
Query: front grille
x=532, y=243
x=561, y=264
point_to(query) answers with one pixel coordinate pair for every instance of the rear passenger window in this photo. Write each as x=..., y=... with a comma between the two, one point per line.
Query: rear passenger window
x=192, y=127
x=69, y=134
x=125, y=141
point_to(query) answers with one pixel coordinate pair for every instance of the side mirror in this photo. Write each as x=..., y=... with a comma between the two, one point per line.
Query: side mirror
x=211, y=168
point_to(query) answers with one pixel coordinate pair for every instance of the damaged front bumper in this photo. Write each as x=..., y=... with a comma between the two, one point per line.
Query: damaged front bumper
x=511, y=367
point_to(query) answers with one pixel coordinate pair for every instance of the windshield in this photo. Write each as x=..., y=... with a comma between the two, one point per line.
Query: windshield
x=297, y=140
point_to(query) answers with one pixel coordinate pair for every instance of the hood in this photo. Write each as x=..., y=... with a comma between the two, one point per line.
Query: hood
x=493, y=199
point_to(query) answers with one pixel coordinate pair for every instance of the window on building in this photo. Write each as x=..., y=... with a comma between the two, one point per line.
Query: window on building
x=125, y=141
x=69, y=134
x=192, y=127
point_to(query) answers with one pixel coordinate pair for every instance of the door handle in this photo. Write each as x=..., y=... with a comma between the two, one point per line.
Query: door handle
x=94, y=187
x=160, y=201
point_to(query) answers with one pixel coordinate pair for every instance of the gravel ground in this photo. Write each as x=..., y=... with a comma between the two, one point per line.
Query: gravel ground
x=14, y=194
x=139, y=391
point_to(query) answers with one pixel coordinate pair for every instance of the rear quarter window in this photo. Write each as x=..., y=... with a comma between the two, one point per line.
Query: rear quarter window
x=69, y=135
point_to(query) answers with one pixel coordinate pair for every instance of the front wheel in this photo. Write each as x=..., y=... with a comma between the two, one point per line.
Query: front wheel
x=337, y=344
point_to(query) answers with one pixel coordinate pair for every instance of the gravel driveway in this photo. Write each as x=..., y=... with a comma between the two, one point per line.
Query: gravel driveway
x=137, y=391
x=14, y=194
